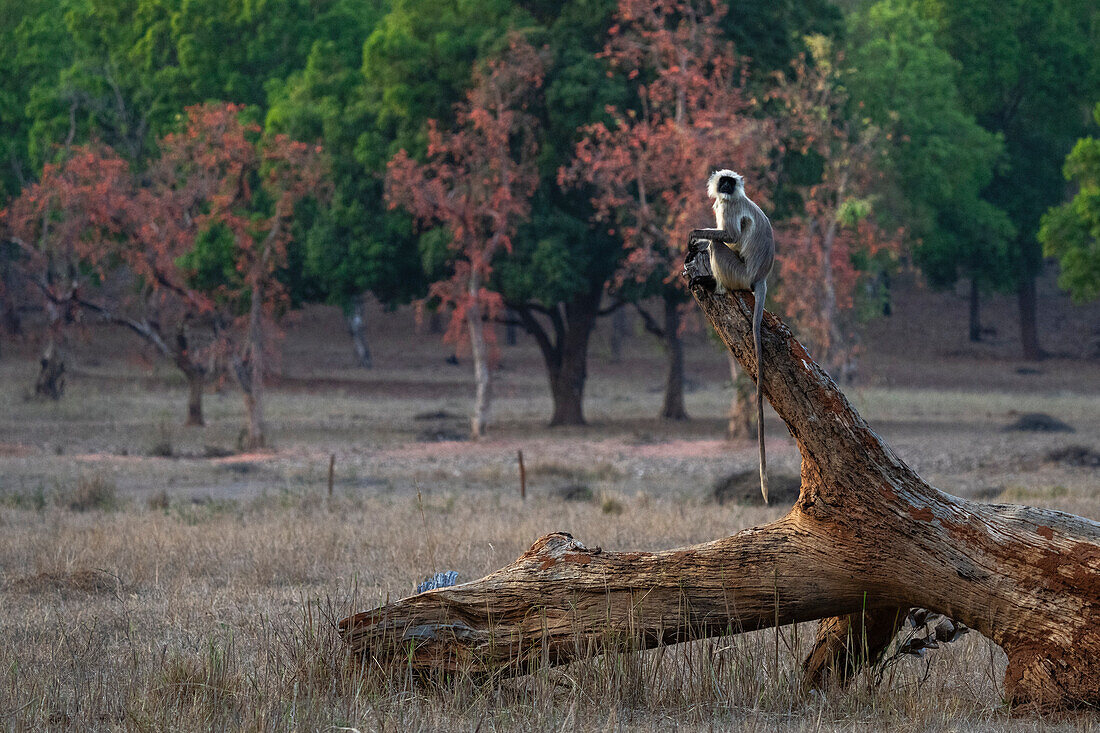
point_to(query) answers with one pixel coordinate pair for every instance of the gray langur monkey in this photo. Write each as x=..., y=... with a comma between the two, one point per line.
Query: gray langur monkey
x=742, y=251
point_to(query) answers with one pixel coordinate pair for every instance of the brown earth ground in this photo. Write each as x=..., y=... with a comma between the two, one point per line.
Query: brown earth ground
x=151, y=578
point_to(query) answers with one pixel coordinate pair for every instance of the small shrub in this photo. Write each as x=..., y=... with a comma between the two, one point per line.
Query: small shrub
x=203, y=509
x=91, y=492
x=162, y=447
x=159, y=502
x=610, y=505
x=35, y=499
x=209, y=680
x=1039, y=422
x=574, y=492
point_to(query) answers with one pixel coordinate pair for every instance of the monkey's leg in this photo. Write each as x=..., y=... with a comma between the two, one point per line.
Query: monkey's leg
x=719, y=288
x=729, y=269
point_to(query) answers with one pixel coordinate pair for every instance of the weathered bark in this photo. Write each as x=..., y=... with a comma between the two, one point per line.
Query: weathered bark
x=975, y=311
x=356, y=318
x=844, y=644
x=866, y=535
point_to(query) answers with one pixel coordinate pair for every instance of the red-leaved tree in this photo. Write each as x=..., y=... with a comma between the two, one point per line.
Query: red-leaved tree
x=649, y=167
x=477, y=182
x=233, y=179
x=63, y=225
x=831, y=245
x=94, y=239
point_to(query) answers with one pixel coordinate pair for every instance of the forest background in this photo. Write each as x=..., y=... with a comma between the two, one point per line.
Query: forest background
x=193, y=171
x=257, y=257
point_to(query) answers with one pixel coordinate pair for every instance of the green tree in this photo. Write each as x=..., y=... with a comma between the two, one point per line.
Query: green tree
x=1026, y=70
x=773, y=33
x=1071, y=232
x=33, y=47
x=135, y=64
x=416, y=67
x=365, y=95
x=562, y=260
x=939, y=160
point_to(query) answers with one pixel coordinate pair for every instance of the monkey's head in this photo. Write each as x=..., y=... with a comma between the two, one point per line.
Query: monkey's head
x=725, y=183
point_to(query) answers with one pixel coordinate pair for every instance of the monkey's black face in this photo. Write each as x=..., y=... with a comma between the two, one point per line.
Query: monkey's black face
x=727, y=185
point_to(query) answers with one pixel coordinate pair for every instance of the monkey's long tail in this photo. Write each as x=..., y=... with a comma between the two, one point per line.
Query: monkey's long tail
x=760, y=291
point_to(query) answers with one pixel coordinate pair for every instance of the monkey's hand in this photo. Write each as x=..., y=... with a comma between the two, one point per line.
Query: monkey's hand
x=707, y=282
x=696, y=245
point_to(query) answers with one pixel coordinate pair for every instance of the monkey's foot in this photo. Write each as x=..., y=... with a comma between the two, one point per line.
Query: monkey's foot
x=707, y=282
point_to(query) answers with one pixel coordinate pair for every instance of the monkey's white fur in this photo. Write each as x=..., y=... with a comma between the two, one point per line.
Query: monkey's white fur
x=749, y=254
x=742, y=252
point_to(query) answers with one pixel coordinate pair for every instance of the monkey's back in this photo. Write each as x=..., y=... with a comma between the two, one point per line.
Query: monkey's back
x=750, y=258
x=758, y=244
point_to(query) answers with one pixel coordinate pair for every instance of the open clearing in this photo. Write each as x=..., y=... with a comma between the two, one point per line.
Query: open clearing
x=151, y=578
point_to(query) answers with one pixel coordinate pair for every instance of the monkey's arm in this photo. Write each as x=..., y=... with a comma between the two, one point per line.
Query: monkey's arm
x=709, y=235
x=713, y=235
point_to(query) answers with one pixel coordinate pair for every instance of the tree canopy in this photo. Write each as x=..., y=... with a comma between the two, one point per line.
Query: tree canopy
x=971, y=108
x=1071, y=232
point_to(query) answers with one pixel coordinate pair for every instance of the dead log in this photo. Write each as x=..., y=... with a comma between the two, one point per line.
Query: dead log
x=866, y=536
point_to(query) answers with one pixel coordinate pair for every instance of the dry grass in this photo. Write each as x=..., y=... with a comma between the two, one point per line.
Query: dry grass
x=223, y=617
x=148, y=581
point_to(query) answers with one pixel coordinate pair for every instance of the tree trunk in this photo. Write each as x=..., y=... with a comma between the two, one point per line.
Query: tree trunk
x=511, y=335
x=975, y=311
x=673, y=407
x=357, y=328
x=479, y=419
x=569, y=374
x=835, y=352
x=195, y=383
x=253, y=385
x=1029, y=332
x=13, y=324
x=741, y=412
x=179, y=349
x=866, y=535
x=844, y=644
x=565, y=349
x=51, y=373
x=435, y=322
x=620, y=326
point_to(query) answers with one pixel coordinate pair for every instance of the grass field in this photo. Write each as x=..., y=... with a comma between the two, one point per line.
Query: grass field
x=153, y=579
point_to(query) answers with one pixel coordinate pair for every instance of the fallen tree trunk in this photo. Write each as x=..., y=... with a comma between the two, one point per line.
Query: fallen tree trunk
x=866, y=536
